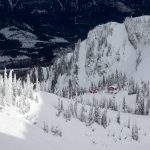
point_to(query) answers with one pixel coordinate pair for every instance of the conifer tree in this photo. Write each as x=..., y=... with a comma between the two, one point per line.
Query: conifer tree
x=104, y=119
x=76, y=109
x=71, y=109
x=67, y=115
x=15, y=86
x=128, y=123
x=10, y=89
x=60, y=107
x=6, y=92
x=82, y=115
x=135, y=135
x=140, y=106
x=118, y=117
x=97, y=115
x=124, y=104
x=90, y=116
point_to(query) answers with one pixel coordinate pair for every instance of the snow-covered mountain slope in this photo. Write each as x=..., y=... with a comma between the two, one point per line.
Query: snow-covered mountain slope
x=108, y=47
x=36, y=129
x=27, y=39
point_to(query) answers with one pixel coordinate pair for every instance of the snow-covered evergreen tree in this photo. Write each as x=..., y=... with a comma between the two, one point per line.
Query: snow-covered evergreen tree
x=140, y=106
x=82, y=114
x=67, y=114
x=6, y=92
x=60, y=107
x=128, y=125
x=97, y=115
x=10, y=88
x=124, y=106
x=135, y=134
x=118, y=117
x=71, y=109
x=76, y=109
x=104, y=119
x=14, y=92
x=45, y=127
x=90, y=118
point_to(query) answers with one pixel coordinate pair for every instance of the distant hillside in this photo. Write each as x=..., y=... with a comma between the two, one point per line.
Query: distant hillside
x=49, y=20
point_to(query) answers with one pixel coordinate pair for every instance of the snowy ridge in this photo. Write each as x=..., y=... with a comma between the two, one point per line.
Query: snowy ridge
x=108, y=47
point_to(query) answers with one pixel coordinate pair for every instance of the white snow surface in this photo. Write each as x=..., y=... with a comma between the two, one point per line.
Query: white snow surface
x=25, y=131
